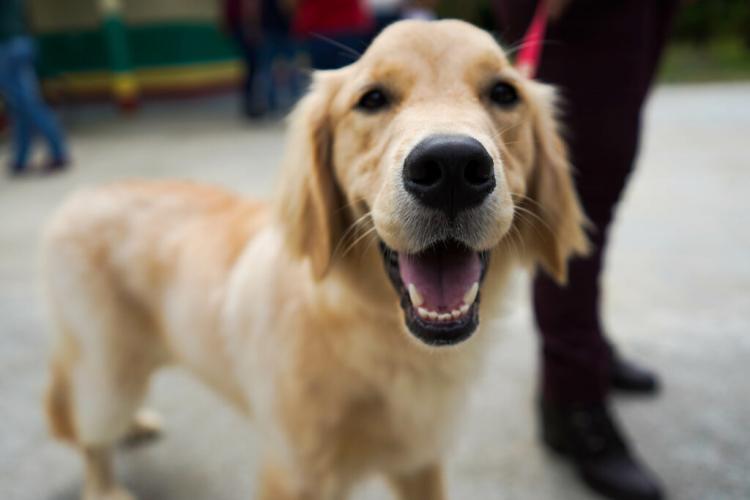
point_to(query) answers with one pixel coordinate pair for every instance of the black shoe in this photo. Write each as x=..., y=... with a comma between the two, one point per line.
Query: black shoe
x=590, y=439
x=627, y=376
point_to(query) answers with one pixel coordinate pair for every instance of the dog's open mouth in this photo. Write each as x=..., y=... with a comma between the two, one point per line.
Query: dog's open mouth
x=439, y=290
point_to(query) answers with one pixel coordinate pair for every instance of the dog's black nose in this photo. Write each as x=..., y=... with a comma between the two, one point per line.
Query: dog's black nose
x=449, y=172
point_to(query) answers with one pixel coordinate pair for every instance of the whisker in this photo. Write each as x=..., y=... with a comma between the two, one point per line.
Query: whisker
x=511, y=243
x=374, y=239
x=357, y=224
x=499, y=133
x=530, y=218
x=367, y=233
x=534, y=216
x=525, y=198
x=517, y=241
x=350, y=231
x=511, y=51
x=350, y=51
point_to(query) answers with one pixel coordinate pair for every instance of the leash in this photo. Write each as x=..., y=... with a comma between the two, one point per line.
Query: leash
x=527, y=61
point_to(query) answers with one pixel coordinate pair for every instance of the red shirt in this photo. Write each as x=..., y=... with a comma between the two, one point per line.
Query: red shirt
x=330, y=17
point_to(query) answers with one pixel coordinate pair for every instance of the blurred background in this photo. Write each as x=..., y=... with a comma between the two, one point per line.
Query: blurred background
x=198, y=89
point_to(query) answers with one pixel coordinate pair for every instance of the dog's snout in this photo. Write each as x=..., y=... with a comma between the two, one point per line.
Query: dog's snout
x=449, y=172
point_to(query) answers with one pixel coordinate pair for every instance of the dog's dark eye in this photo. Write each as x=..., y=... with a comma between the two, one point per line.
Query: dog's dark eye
x=504, y=94
x=373, y=100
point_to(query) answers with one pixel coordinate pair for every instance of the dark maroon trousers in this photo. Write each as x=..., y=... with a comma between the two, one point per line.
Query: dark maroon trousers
x=602, y=55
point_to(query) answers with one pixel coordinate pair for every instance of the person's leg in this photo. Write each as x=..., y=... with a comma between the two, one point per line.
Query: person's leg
x=22, y=135
x=19, y=122
x=249, y=51
x=595, y=55
x=33, y=106
x=575, y=352
x=604, y=121
x=291, y=84
x=300, y=61
x=600, y=56
x=270, y=71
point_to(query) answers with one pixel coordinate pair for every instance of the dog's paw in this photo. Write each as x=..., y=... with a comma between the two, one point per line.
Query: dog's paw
x=146, y=426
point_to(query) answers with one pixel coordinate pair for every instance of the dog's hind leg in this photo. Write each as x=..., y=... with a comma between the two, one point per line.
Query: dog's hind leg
x=107, y=350
x=91, y=402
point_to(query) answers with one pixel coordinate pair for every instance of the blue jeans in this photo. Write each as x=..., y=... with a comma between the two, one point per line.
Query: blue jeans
x=28, y=112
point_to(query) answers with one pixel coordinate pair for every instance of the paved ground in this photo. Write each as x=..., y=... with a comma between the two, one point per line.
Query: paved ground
x=678, y=299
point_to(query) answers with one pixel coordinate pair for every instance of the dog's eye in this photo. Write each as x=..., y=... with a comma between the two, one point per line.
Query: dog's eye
x=373, y=100
x=504, y=94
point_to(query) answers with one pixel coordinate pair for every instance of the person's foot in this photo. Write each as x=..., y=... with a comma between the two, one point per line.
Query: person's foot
x=254, y=109
x=16, y=171
x=56, y=166
x=590, y=439
x=627, y=376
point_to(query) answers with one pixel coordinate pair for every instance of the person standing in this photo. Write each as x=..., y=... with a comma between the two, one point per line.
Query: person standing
x=241, y=20
x=20, y=88
x=280, y=81
x=602, y=56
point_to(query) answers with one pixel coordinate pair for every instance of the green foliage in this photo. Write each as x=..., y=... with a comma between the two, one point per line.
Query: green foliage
x=711, y=41
x=717, y=60
x=703, y=21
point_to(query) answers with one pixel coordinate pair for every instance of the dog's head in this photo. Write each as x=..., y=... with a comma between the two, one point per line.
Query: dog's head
x=434, y=143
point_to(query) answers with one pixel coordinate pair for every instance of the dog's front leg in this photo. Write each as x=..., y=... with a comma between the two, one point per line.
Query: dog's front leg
x=423, y=484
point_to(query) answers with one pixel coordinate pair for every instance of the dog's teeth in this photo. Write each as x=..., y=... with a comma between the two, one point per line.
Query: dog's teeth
x=471, y=294
x=415, y=296
x=436, y=316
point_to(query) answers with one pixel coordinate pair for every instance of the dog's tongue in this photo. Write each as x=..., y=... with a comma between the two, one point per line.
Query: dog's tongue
x=442, y=275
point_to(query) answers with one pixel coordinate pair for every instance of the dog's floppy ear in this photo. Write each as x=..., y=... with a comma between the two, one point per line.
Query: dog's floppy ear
x=555, y=231
x=310, y=201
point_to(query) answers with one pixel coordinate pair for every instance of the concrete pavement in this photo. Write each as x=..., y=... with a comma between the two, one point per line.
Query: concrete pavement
x=678, y=298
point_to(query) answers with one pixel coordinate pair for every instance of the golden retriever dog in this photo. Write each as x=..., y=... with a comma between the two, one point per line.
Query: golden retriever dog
x=344, y=316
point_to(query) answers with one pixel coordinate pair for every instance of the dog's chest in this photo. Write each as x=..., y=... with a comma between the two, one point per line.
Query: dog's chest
x=424, y=416
x=419, y=402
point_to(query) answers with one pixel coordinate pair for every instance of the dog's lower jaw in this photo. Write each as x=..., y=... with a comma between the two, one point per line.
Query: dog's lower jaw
x=446, y=311
x=439, y=335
